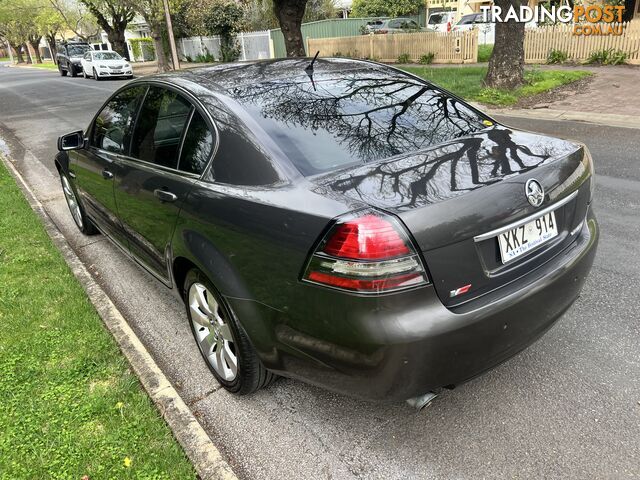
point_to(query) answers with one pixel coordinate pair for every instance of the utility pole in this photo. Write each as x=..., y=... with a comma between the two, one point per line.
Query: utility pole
x=172, y=41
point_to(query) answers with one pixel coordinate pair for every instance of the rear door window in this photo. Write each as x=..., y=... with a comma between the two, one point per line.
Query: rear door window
x=112, y=127
x=436, y=19
x=198, y=143
x=160, y=126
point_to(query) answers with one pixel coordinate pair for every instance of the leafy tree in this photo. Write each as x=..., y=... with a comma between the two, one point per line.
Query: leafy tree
x=113, y=16
x=153, y=13
x=260, y=14
x=385, y=8
x=506, y=65
x=76, y=18
x=225, y=18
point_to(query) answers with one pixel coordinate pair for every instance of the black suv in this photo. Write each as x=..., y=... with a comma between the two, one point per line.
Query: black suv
x=69, y=56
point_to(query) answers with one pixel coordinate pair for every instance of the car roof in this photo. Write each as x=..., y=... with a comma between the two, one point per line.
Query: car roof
x=221, y=78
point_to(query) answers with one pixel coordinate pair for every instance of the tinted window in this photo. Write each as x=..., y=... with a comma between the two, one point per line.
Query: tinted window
x=107, y=56
x=112, y=126
x=198, y=143
x=352, y=116
x=77, y=50
x=413, y=25
x=467, y=20
x=159, y=127
x=436, y=19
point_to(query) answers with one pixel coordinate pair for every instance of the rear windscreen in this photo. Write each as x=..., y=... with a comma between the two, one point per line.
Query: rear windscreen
x=354, y=117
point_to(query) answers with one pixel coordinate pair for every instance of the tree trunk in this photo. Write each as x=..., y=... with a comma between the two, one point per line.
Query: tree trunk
x=163, y=65
x=506, y=65
x=25, y=45
x=19, y=57
x=35, y=43
x=289, y=14
x=118, y=42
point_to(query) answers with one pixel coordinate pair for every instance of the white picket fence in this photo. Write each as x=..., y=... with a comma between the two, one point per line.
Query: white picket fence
x=253, y=46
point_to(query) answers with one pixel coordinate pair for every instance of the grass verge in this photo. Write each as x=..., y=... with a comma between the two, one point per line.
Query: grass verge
x=484, y=53
x=467, y=82
x=70, y=406
x=45, y=65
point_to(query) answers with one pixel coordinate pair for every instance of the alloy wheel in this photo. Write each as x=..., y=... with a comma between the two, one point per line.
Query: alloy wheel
x=212, y=332
x=72, y=202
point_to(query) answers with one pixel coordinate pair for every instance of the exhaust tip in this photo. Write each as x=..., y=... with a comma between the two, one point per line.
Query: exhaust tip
x=422, y=401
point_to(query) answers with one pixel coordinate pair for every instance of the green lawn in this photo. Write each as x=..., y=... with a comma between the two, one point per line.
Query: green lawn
x=47, y=65
x=4, y=59
x=467, y=82
x=69, y=404
x=484, y=52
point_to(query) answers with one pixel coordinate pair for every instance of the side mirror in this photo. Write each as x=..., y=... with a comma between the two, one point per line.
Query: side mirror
x=71, y=141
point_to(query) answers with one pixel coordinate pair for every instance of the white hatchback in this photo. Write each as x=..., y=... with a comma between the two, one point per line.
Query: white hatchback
x=105, y=64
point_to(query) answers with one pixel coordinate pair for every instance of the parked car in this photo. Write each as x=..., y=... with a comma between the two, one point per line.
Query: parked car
x=441, y=21
x=393, y=25
x=366, y=231
x=69, y=57
x=105, y=64
x=486, y=29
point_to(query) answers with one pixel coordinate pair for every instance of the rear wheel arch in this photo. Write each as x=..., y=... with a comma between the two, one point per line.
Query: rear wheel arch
x=193, y=248
x=180, y=268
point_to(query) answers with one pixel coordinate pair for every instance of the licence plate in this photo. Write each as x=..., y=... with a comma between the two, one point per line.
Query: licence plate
x=526, y=237
x=117, y=72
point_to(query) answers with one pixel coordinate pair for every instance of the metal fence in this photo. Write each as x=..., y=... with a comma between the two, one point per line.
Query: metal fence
x=252, y=45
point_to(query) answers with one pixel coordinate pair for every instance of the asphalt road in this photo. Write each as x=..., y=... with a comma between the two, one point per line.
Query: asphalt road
x=567, y=407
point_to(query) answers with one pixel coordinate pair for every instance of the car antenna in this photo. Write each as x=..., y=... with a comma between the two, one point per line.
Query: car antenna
x=309, y=67
x=309, y=70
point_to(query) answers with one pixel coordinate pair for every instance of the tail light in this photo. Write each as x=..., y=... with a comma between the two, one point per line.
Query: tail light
x=369, y=252
x=448, y=26
x=380, y=31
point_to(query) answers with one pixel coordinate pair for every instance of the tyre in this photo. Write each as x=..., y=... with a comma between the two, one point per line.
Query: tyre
x=72, y=70
x=84, y=74
x=62, y=72
x=221, y=339
x=77, y=212
x=95, y=75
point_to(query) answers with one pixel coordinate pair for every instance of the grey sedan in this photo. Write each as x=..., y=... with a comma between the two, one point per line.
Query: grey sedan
x=336, y=221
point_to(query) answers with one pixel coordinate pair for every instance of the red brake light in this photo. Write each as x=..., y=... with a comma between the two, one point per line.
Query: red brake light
x=368, y=237
x=366, y=253
x=448, y=26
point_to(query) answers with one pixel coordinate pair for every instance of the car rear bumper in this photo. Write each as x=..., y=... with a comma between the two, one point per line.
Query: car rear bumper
x=399, y=346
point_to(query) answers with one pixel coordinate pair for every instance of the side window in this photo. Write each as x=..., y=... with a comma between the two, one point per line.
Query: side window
x=197, y=146
x=159, y=128
x=111, y=130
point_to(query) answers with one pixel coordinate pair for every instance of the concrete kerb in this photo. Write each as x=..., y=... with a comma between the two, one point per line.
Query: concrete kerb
x=606, y=119
x=204, y=455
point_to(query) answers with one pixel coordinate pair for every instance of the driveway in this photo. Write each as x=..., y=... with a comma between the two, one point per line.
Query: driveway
x=567, y=407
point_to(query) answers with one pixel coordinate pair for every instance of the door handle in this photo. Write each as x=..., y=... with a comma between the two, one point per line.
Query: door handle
x=106, y=174
x=164, y=195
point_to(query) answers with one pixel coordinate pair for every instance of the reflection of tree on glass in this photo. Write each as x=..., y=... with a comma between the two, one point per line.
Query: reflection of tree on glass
x=355, y=117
